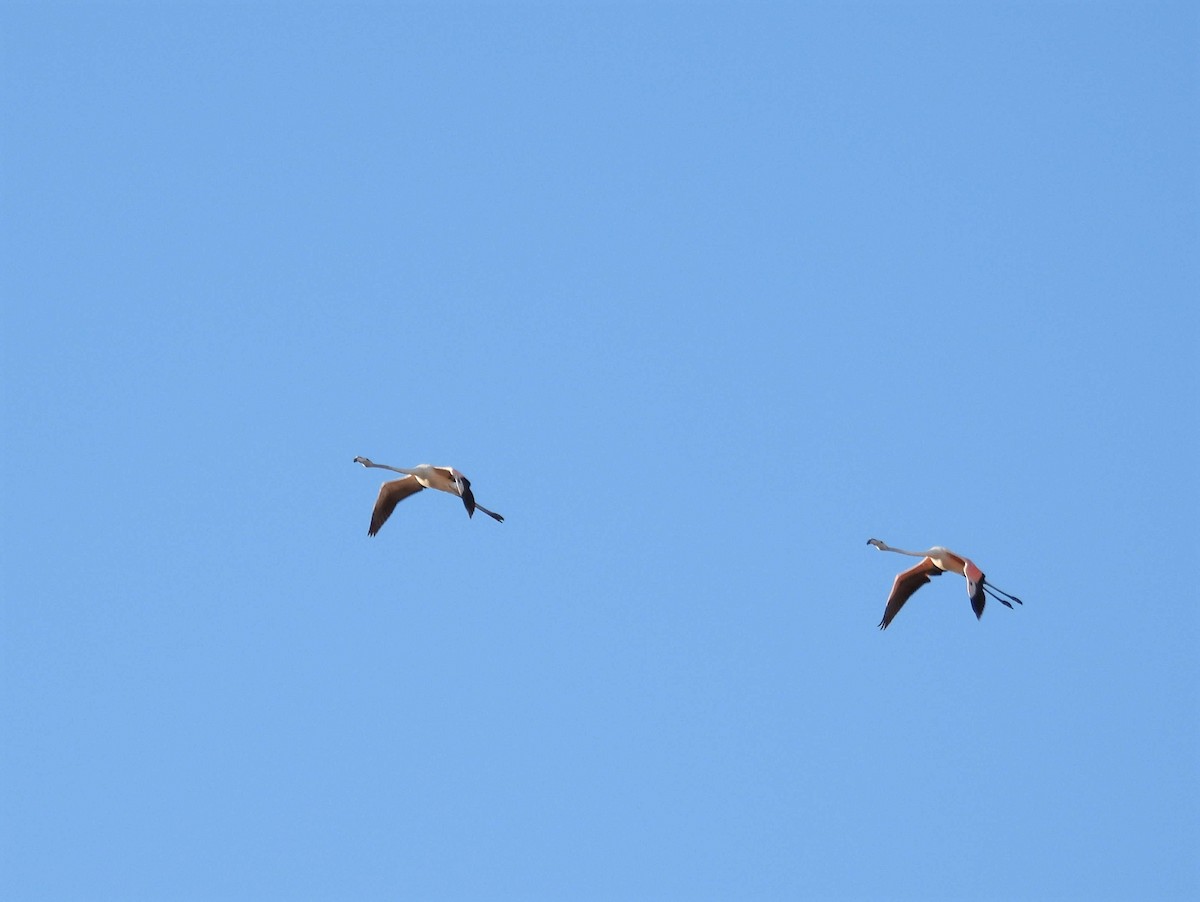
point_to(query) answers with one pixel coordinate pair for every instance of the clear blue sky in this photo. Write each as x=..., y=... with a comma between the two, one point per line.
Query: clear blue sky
x=699, y=297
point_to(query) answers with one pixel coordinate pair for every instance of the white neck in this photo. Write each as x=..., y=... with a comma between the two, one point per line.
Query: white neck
x=368, y=463
x=883, y=546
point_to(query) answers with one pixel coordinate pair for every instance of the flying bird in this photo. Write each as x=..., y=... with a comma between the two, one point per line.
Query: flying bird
x=423, y=476
x=938, y=560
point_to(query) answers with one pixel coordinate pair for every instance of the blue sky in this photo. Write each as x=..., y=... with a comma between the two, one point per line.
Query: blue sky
x=700, y=298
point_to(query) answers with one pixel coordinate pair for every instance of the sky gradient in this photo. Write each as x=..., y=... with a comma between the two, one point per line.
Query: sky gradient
x=700, y=298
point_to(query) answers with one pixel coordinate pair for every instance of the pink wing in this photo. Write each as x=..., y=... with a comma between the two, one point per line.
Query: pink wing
x=391, y=494
x=906, y=583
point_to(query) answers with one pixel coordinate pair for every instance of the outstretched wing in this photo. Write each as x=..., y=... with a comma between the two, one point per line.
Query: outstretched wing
x=391, y=494
x=468, y=497
x=978, y=599
x=906, y=583
x=974, y=587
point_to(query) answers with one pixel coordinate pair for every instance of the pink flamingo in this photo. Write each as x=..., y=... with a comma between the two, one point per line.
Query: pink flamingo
x=422, y=476
x=938, y=560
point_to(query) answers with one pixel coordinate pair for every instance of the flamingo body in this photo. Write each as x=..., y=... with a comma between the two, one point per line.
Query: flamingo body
x=422, y=476
x=934, y=562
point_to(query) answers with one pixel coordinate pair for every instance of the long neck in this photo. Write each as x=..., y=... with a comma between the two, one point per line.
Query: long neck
x=885, y=547
x=386, y=467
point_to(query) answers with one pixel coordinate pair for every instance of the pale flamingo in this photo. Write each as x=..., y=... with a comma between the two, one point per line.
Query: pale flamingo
x=936, y=561
x=423, y=476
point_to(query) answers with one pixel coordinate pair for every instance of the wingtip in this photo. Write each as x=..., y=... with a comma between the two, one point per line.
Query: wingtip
x=468, y=499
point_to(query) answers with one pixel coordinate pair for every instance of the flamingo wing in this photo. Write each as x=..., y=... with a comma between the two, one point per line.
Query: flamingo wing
x=468, y=497
x=905, y=585
x=974, y=587
x=391, y=494
x=458, y=485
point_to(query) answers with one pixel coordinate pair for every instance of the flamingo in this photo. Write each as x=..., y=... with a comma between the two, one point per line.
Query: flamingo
x=938, y=560
x=422, y=476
